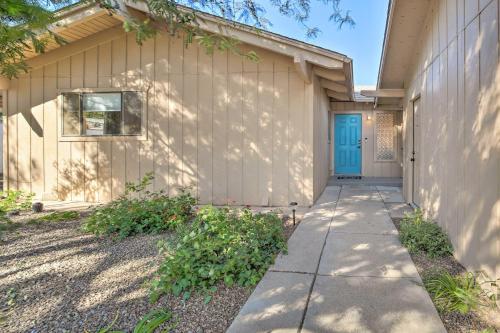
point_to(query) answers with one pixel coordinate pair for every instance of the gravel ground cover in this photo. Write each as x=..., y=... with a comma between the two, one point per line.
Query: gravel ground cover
x=55, y=278
x=474, y=321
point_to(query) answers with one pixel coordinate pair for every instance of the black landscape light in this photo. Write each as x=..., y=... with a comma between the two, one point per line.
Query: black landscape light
x=293, y=204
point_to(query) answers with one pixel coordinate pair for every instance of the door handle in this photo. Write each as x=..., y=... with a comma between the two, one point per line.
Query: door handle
x=359, y=147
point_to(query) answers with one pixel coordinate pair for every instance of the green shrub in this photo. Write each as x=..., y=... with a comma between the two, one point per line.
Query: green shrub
x=140, y=211
x=14, y=200
x=9, y=201
x=421, y=236
x=454, y=293
x=57, y=217
x=148, y=324
x=220, y=245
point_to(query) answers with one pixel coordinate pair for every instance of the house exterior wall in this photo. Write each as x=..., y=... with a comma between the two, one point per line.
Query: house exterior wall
x=457, y=77
x=370, y=167
x=321, y=109
x=232, y=130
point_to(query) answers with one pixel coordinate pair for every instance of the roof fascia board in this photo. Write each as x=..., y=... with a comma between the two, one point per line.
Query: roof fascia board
x=263, y=39
x=81, y=15
x=388, y=25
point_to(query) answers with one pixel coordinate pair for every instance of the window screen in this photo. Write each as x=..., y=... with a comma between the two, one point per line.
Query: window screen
x=384, y=131
x=101, y=114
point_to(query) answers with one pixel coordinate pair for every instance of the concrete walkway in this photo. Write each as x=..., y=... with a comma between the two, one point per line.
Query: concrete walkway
x=345, y=271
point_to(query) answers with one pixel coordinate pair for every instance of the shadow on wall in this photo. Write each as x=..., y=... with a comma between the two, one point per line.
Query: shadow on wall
x=467, y=203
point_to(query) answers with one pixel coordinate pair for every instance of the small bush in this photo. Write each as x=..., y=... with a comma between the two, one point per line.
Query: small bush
x=57, y=217
x=421, y=236
x=14, y=200
x=220, y=245
x=140, y=211
x=454, y=293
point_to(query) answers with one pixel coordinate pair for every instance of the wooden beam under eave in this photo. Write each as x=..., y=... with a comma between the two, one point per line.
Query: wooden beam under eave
x=303, y=69
x=337, y=95
x=394, y=93
x=332, y=75
x=330, y=85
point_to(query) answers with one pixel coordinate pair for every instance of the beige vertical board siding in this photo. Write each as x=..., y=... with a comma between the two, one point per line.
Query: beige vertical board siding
x=175, y=125
x=146, y=147
x=451, y=19
x=486, y=127
x=104, y=80
x=77, y=162
x=50, y=141
x=104, y=175
x=234, y=130
x=220, y=125
x=64, y=184
x=250, y=134
x=91, y=148
x=265, y=128
x=460, y=172
x=205, y=123
x=452, y=184
x=460, y=141
x=118, y=148
x=280, y=137
x=159, y=127
x=12, y=114
x=104, y=73
x=91, y=163
x=190, y=134
x=296, y=140
x=369, y=166
x=443, y=131
x=190, y=119
x=308, y=118
x=36, y=133
x=472, y=156
x=23, y=135
x=320, y=131
x=471, y=9
x=133, y=81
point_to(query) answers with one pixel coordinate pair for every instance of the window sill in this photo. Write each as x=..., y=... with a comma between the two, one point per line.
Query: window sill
x=119, y=138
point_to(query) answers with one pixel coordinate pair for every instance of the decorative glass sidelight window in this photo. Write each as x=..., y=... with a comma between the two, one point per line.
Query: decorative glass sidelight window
x=102, y=113
x=385, y=147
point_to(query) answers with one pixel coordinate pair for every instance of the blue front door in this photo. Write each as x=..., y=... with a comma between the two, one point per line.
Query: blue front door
x=348, y=144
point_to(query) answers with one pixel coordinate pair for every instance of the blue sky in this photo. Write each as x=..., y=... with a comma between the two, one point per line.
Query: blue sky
x=362, y=43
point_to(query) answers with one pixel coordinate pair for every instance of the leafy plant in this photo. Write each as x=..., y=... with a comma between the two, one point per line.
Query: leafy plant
x=455, y=293
x=10, y=201
x=422, y=236
x=140, y=211
x=220, y=245
x=57, y=217
x=148, y=324
x=15, y=200
x=11, y=297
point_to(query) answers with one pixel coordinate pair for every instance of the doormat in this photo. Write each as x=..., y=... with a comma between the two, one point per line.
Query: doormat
x=348, y=177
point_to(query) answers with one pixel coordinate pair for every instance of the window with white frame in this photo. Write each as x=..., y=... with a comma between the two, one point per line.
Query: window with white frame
x=385, y=148
x=102, y=113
